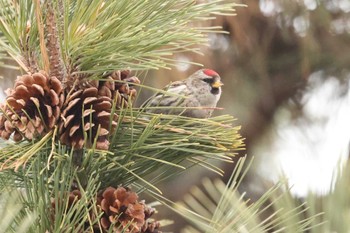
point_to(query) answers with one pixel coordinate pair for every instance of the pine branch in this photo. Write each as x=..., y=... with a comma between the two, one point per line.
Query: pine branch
x=102, y=36
x=162, y=147
x=53, y=43
x=172, y=143
x=70, y=200
x=97, y=38
x=220, y=208
x=107, y=36
x=19, y=36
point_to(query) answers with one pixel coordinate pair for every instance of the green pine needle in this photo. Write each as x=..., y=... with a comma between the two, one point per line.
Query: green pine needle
x=141, y=149
x=172, y=143
x=14, y=217
x=220, y=208
x=101, y=36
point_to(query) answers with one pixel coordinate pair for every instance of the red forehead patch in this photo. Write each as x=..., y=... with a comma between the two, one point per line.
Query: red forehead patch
x=210, y=72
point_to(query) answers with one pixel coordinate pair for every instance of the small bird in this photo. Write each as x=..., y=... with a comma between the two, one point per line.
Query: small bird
x=195, y=96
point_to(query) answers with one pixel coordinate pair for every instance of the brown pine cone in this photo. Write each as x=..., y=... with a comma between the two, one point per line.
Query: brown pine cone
x=73, y=197
x=63, y=207
x=87, y=113
x=121, y=208
x=88, y=110
x=33, y=106
x=150, y=226
x=125, y=92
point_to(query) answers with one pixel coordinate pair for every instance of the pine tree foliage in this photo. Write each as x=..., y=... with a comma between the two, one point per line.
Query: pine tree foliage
x=99, y=36
x=221, y=208
x=335, y=205
x=13, y=217
x=79, y=44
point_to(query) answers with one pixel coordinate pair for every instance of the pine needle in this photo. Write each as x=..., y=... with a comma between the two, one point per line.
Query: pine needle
x=44, y=54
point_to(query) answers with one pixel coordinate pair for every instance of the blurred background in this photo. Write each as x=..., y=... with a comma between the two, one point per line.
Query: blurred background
x=285, y=65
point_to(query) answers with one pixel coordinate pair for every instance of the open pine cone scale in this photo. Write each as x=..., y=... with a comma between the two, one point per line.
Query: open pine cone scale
x=88, y=114
x=33, y=106
x=122, y=210
x=81, y=118
x=83, y=112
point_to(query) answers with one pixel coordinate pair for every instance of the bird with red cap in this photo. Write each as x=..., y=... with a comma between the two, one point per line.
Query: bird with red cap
x=196, y=96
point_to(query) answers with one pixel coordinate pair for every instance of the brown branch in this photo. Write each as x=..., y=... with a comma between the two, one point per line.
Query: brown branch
x=53, y=45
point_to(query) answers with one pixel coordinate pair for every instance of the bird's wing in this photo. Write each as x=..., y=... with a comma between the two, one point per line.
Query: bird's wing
x=173, y=95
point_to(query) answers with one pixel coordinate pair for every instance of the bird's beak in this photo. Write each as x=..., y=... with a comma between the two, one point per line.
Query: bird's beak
x=217, y=84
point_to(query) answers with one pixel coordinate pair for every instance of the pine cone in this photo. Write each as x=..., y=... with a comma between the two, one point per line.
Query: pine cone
x=150, y=226
x=33, y=106
x=88, y=110
x=121, y=208
x=73, y=197
x=125, y=92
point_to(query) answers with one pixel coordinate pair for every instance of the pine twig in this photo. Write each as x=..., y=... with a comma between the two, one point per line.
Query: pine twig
x=53, y=45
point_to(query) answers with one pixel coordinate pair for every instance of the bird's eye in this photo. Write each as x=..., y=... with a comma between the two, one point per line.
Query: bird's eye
x=208, y=80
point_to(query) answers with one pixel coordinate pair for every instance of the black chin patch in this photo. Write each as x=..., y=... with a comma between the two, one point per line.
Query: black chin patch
x=215, y=91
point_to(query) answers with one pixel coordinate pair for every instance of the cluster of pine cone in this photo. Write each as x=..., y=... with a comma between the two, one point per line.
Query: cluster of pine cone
x=84, y=112
x=85, y=115
x=120, y=210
